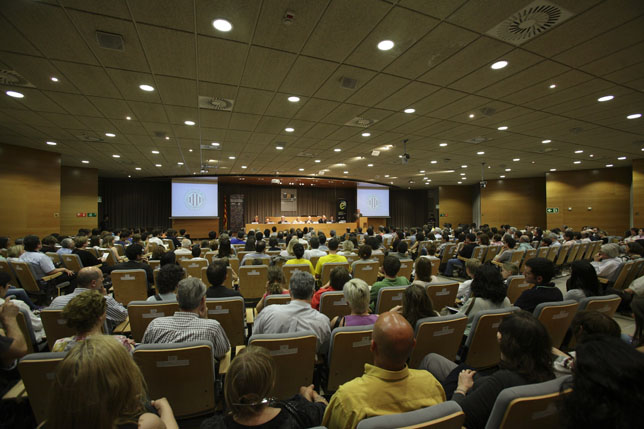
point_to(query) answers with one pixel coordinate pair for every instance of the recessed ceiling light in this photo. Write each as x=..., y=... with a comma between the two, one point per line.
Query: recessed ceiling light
x=579, y=151
x=85, y=161
x=293, y=99
x=345, y=172
x=156, y=152
x=179, y=163
x=110, y=134
x=502, y=176
x=516, y=159
x=592, y=155
x=366, y=134
x=231, y=157
x=576, y=162
x=609, y=165
x=471, y=115
x=189, y=123
x=508, y=169
x=337, y=149
x=158, y=165
x=50, y=143
x=289, y=129
x=167, y=137
x=137, y=168
x=369, y=165
x=480, y=153
x=385, y=45
x=553, y=169
x=116, y=156
x=459, y=182
x=410, y=110
x=214, y=144
x=300, y=169
x=634, y=116
x=146, y=88
x=552, y=86
x=499, y=65
x=546, y=141
x=54, y=79
x=502, y=128
x=422, y=171
x=443, y=144
x=222, y=25
x=279, y=147
x=15, y=94
x=463, y=174
x=605, y=98
x=463, y=166
x=212, y=160
x=318, y=161
x=129, y=175
x=433, y=161
x=621, y=158
x=189, y=150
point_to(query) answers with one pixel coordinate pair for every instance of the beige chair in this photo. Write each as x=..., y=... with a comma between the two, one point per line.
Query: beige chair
x=55, y=258
x=582, y=251
x=517, y=257
x=129, y=285
x=479, y=252
x=333, y=304
x=119, y=249
x=193, y=268
x=446, y=415
x=561, y=257
x=314, y=261
x=543, y=251
x=436, y=263
x=442, y=335
x=492, y=251
x=529, y=254
x=635, y=270
x=349, y=350
x=623, y=274
x=55, y=326
x=37, y=372
x=552, y=253
x=326, y=270
x=442, y=294
x=482, y=345
x=447, y=252
x=229, y=277
x=27, y=331
x=380, y=258
x=606, y=304
x=234, y=264
x=252, y=281
x=210, y=255
x=168, y=243
x=290, y=269
x=572, y=253
x=181, y=372
x=242, y=253
x=154, y=264
x=141, y=313
x=406, y=268
x=556, y=317
x=112, y=257
x=294, y=357
x=592, y=249
x=279, y=299
x=367, y=271
x=516, y=286
x=29, y=283
x=4, y=267
x=389, y=297
x=229, y=312
x=72, y=262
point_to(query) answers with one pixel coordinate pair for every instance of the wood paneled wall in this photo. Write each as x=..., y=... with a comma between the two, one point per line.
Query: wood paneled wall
x=29, y=191
x=197, y=228
x=78, y=194
x=606, y=191
x=455, y=204
x=638, y=193
x=517, y=202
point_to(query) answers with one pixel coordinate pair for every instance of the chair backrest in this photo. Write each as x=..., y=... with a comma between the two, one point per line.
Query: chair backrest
x=447, y=252
x=55, y=326
x=606, y=304
x=169, y=244
x=229, y=312
x=112, y=258
x=5, y=267
x=252, y=281
x=129, y=285
x=442, y=335
x=37, y=372
x=242, y=253
x=479, y=252
x=572, y=253
x=529, y=254
x=442, y=294
x=623, y=274
x=333, y=304
x=55, y=258
x=290, y=269
x=24, y=323
x=72, y=262
x=482, y=345
x=492, y=251
x=279, y=299
x=229, y=277
x=446, y=415
x=210, y=255
x=561, y=257
x=436, y=263
x=314, y=260
x=234, y=263
x=182, y=372
x=154, y=264
x=294, y=356
x=406, y=268
x=380, y=258
x=349, y=350
x=25, y=276
x=193, y=268
x=141, y=313
x=592, y=249
x=119, y=249
x=389, y=297
x=531, y=406
x=556, y=317
x=543, y=251
x=516, y=286
x=582, y=251
x=553, y=251
x=517, y=257
x=326, y=270
x=367, y=271
x=635, y=270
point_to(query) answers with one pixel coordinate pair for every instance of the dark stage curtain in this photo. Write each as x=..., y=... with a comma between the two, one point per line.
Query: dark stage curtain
x=407, y=207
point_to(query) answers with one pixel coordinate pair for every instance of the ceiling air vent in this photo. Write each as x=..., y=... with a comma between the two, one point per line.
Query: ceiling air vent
x=216, y=103
x=477, y=140
x=488, y=111
x=348, y=83
x=305, y=155
x=529, y=22
x=89, y=137
x=160, y=134
x=209, y=147
x=12, y=77
x=544, y=150
x=110, y=40
x=361, y=122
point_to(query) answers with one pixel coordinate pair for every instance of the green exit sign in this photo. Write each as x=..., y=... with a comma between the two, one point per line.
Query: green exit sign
x=91, y=214
x=552, y=210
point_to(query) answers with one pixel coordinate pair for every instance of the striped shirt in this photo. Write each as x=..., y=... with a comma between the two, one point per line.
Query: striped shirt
x=185, y=326
x=115, y=311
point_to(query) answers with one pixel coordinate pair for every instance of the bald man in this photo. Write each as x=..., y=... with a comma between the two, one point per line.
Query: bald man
x=387, y=386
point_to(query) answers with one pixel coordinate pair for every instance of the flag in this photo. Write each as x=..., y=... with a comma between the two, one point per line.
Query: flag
x=225, y=223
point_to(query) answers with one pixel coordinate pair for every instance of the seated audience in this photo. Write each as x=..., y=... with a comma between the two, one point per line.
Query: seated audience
x=364, y=253
x=465, y=288
x=488, y=292
x=49, y=244
x=288, y=252
x=17, y=299
x=507, y=250
x=98, y=385
x=296, y=315
x=390, y=266
x=525, y=359
x=416, y=304
x=298, y=252
x=356, y=294
x=539, y=272
x=607, y=261
x=41, y=264
x=185, y=249
x=423, y=272
x=276, y=285
x=347, y=248
x=314, y=251
x=12, y=342
x=337, y=278
x=80, y=248
x=333, y=256
x=217, y=272
x=67, y=246
x=583, y=281
x=86, y=314
x=466, y=252
x=388, y=386
x=134, y=254
x=196, y=253
x=191, y=322
x=168, y=279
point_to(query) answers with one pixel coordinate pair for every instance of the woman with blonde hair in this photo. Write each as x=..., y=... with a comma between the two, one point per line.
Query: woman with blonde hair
x=356, y=293
x=98, y=385
x=288, y=252
x=347, y=248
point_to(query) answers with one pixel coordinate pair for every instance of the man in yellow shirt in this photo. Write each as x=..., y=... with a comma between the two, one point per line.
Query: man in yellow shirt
x=331, y=257
x=298, y=251
x=387, y=386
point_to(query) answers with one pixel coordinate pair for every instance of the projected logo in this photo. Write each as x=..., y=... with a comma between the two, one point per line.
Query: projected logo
x=373, y=202
x=194, y=200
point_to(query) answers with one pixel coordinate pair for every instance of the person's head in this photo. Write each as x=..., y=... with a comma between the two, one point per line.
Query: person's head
x=217, y=271
x=509, y=269
x=31, y=243
x=607, y=251
x=4, y=242
x=298, y=250
x=538, y=271
x=364, y=252
x=169, y=277
x=167, y=258
x=96, y=385
x=224, y=248
x=392, y=341
x=333, y=244
x=249, y=382
x=85, y=311
x=322, y=238
x=314, y=242
x=587, y=323
x=347, y=246
x=276, y=280
x=525, y=347
x=510, y=242
x=402, y=247
x=488, y=284
x=191, y=294
x=471, y=265
x=634, y=248
x=90, y=278
x=302, y=286
x=338, y=277
x=196, y=251
x=67, y=243
x=423, y=269
x=291, y=244
x=5, y=278
x=470, y=237
x=606, y=387
x=49, y=241
x=356, y=293
x=568, y=235
x=391, y=266
x=260, y=246
x=250, y=244
x=133, y=252
x=583, y=276
x=15, y=251
x=416, y=304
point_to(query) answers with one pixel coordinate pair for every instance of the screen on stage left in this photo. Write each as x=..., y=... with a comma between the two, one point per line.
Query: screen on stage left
x=195, y=198
x=373, y=201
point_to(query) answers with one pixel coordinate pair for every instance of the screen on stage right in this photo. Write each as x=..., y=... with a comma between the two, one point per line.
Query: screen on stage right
x=373, y=202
